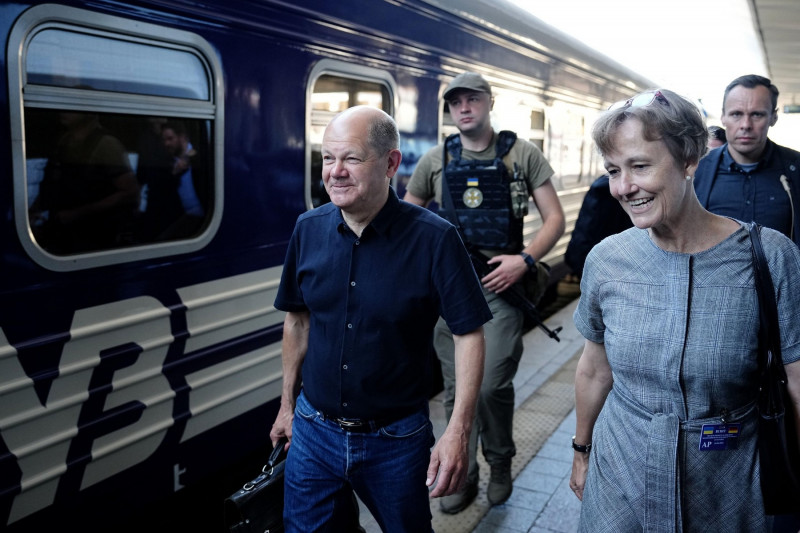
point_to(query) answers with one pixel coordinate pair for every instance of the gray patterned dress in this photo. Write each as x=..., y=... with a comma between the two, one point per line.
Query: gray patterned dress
x=680, y=333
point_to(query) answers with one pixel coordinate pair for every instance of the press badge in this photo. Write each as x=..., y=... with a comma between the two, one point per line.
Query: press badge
x=718, y=437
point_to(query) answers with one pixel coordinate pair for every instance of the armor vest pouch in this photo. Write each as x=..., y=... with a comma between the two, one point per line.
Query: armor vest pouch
x=480, y=197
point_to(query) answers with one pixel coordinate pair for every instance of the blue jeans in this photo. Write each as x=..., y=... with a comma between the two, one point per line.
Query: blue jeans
x=386, y=468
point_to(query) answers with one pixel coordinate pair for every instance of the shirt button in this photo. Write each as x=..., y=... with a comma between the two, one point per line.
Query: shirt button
x=344, y=367
x=352, y=283
x=358, y=242
x=344, y=404
x=349, y=326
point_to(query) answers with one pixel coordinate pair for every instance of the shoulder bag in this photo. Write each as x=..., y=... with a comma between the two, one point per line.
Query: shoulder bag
x=779, y=454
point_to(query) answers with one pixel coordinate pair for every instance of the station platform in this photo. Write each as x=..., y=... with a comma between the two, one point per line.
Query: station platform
x=544, y=423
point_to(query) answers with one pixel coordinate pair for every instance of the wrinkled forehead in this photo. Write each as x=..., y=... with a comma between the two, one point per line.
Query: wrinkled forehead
x=344, y=142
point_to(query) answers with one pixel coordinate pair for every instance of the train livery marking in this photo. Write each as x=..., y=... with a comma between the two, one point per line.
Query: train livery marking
x=115, y=362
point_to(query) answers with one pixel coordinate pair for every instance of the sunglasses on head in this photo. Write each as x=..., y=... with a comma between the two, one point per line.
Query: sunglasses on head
x=640, y=100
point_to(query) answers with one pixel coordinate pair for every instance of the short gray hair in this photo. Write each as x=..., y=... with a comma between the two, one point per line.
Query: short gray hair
x=382, y=133
x=669, y=118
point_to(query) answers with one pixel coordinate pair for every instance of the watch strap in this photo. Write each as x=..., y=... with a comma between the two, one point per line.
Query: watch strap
x=583, y=448
x=529, y=261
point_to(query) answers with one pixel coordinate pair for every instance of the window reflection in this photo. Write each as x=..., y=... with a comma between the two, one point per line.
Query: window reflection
x=107, y=181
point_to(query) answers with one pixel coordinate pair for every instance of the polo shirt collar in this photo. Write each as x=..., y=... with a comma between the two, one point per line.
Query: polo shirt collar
x=382, y=221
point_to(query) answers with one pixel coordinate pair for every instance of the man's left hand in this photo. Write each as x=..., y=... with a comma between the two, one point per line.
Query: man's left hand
x=447, y=470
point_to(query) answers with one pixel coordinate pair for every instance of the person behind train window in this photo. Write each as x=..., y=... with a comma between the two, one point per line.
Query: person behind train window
x=89, y=195
x=663, y=361
x=365, y=279
x=174, y=208
x=751, y=178
x=716, y=137
x=153, y=170
x=484, y=169
x=600, y=216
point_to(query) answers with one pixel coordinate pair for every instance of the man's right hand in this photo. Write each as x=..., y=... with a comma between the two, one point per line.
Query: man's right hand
x=508, y=269
x=282, y=426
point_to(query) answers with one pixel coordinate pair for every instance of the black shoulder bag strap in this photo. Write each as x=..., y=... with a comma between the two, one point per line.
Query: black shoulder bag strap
x=770, y=358
x=779, y=456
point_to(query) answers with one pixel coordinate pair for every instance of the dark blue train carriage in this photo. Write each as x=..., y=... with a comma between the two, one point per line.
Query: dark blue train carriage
x=139, y=356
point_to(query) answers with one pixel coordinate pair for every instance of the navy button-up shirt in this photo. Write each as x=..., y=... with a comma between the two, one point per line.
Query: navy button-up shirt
x=373, y=302
x=752, y=194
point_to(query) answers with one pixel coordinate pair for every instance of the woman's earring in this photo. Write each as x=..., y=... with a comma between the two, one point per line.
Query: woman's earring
x=688, y=178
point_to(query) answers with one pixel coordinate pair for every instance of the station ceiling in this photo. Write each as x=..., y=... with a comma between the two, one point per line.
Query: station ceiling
x=778, y=24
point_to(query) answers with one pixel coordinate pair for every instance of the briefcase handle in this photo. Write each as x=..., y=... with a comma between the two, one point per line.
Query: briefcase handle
x=276, y=457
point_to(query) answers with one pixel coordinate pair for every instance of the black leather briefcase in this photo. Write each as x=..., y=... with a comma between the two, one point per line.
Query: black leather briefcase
x=258, y=505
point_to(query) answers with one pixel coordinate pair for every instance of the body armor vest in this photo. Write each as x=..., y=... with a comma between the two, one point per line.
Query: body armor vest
x=477, y=196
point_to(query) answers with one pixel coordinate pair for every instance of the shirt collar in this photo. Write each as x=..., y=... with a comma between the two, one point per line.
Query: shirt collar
x=729, y=163
x=382, y=221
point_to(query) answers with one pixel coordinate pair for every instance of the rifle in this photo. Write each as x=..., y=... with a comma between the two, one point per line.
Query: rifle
x=515, y=295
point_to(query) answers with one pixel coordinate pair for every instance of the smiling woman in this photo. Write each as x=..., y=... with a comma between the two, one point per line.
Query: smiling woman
x=650, y=296
x=651, y=145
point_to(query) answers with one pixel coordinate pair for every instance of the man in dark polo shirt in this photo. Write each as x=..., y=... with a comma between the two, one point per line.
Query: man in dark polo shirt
x=365, y=280
x=750, y=178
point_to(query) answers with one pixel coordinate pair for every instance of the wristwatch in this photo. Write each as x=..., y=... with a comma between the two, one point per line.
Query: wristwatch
x=530, y=261
x=583, y=448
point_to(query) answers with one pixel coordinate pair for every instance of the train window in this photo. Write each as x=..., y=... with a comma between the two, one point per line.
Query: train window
x=537, y=120
x=68, y=59
x=537, y=129
x=100, y=181
x=335, y=87
x=117, y=138
x=448, y=126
